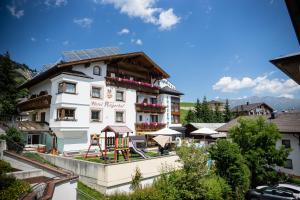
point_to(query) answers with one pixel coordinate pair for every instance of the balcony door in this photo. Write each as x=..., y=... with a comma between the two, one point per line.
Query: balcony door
x=43, y=116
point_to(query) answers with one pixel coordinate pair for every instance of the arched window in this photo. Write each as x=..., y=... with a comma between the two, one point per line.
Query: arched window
x=97, y=70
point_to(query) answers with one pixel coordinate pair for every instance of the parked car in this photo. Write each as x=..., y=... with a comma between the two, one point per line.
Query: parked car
x=295, y=189
x=269, y=193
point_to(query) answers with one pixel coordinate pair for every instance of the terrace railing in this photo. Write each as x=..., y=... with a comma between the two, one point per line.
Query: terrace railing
x=153, y=126
x=39, y=102
x=150, y=108
x=136, y=85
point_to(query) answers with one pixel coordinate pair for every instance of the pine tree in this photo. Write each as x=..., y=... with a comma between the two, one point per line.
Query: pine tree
x=218, y=116
x=227, y=113
x=190, y=117
x=198, y=110
x=207, y=115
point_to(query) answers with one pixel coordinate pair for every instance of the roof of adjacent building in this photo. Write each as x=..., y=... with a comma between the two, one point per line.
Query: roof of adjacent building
x=215, y=102
x=286, y=122
x=293, y=7
x=168, y=90
x=212, y=126
x=107, y=54
x=249, y=107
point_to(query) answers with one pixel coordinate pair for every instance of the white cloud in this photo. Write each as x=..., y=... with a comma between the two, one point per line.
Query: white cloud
x=167, y=19
x=14, y=12
x=124, y=31
x=259, y=85
x=84, y=22
x=147, y=11
x=137, y=41
x=33, y=39
x=66, y=42
x=289, y=96
x=56, y=3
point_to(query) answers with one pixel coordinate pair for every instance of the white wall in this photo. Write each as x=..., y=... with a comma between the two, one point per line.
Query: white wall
x=294, y=155
x=65, y=191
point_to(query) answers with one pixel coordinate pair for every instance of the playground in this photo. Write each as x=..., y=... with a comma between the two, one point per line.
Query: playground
x=115, y=145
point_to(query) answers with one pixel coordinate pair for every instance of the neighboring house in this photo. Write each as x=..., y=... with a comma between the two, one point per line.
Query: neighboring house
x=289, y=126
x=252, y=109
x=213, y=104
x=91, y=89
x=195, y=126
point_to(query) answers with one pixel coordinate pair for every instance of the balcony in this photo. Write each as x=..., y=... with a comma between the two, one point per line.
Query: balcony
x=39, y=102
x=150, y=108
x=131, y=84
x=145, y=126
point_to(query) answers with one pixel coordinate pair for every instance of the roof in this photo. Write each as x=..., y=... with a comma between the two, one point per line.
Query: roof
x=76, y=73
x=286, y=122
x=293, y=7
x=212, y=126
x=249, y=107
x=168, y=90
x=117, y=129
x=29, y=126
x=86, y=57
x=215, y=102
x=289, y=64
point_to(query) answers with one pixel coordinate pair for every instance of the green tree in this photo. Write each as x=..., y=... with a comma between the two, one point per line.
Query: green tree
x=257, y=140
x=198, y=110
x=227, y=112
x=14, y=140
x=206, y=112
x=190, y=117
x=10, y=79
x=231, y=166
x=218, y=115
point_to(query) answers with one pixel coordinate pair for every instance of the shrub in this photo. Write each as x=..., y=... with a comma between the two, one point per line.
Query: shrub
x=6, y=181
x=136, y=179
x=5, y=167
x=14, y=190
x=14, y=140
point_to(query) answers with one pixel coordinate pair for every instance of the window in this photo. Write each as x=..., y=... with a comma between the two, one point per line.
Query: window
x=120, y=116
x=140, y=118
x=175, y=119
x=97, y=71
x=65, y=114
x=286, y=143
x=95, y=115
x=34, y=117
x=153, y=100
x=288, y=164
x=66, y=87
x=154, y=118
x=96, y=92
x=120, y=95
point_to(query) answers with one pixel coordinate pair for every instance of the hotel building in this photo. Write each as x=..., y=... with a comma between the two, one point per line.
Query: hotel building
x=88, y=90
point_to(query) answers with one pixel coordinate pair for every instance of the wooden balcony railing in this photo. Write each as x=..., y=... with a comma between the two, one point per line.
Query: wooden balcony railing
x=39, y=102
x=153, y=126
x=136, y=85
x=150, y=108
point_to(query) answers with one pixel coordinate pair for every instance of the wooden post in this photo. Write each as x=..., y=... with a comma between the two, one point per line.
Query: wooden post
x=105, y=145
x=116, y=147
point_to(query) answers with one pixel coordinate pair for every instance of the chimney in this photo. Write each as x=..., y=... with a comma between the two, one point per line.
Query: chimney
x=247, y=103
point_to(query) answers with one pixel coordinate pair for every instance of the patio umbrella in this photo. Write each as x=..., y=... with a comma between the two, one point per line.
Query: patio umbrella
x=162, y=140
x=204, y=132
x=165, y=131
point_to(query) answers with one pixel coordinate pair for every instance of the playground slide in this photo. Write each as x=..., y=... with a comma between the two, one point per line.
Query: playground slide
x=138, y=151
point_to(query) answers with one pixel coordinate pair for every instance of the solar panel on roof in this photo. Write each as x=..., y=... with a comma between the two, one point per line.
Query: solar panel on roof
x=69, y=56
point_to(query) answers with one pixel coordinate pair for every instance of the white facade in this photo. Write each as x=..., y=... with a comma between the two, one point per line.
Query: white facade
x=75, y=134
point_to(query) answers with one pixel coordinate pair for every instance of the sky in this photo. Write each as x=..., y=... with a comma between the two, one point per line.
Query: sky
x=220, y=49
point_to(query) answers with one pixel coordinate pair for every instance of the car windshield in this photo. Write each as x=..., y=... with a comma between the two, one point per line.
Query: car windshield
x=289, y=189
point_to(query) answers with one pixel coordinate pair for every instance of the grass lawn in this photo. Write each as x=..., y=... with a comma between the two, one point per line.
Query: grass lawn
x=87, y=193
x=186, y=104
x=121, y=158
x=36, y=157
x=183, y=114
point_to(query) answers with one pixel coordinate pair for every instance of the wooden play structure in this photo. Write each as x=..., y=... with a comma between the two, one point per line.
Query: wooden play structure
x=94, y=142
x=118, y=143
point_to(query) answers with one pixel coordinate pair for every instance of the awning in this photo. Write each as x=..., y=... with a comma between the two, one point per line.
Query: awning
x=162, y=140
x=117, y=129
x=164, y=131
x=204, y=132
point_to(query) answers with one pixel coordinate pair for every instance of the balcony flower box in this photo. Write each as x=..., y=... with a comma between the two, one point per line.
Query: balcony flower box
x=150, y=108
x=149, y=126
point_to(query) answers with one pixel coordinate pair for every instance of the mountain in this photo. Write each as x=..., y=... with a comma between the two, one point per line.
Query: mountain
x=278, y=103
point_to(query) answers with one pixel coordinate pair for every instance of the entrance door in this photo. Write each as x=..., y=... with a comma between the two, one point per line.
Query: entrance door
x=43, y=116
x=33, y=139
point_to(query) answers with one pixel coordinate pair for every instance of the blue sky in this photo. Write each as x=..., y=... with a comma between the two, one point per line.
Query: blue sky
x=213, y=48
